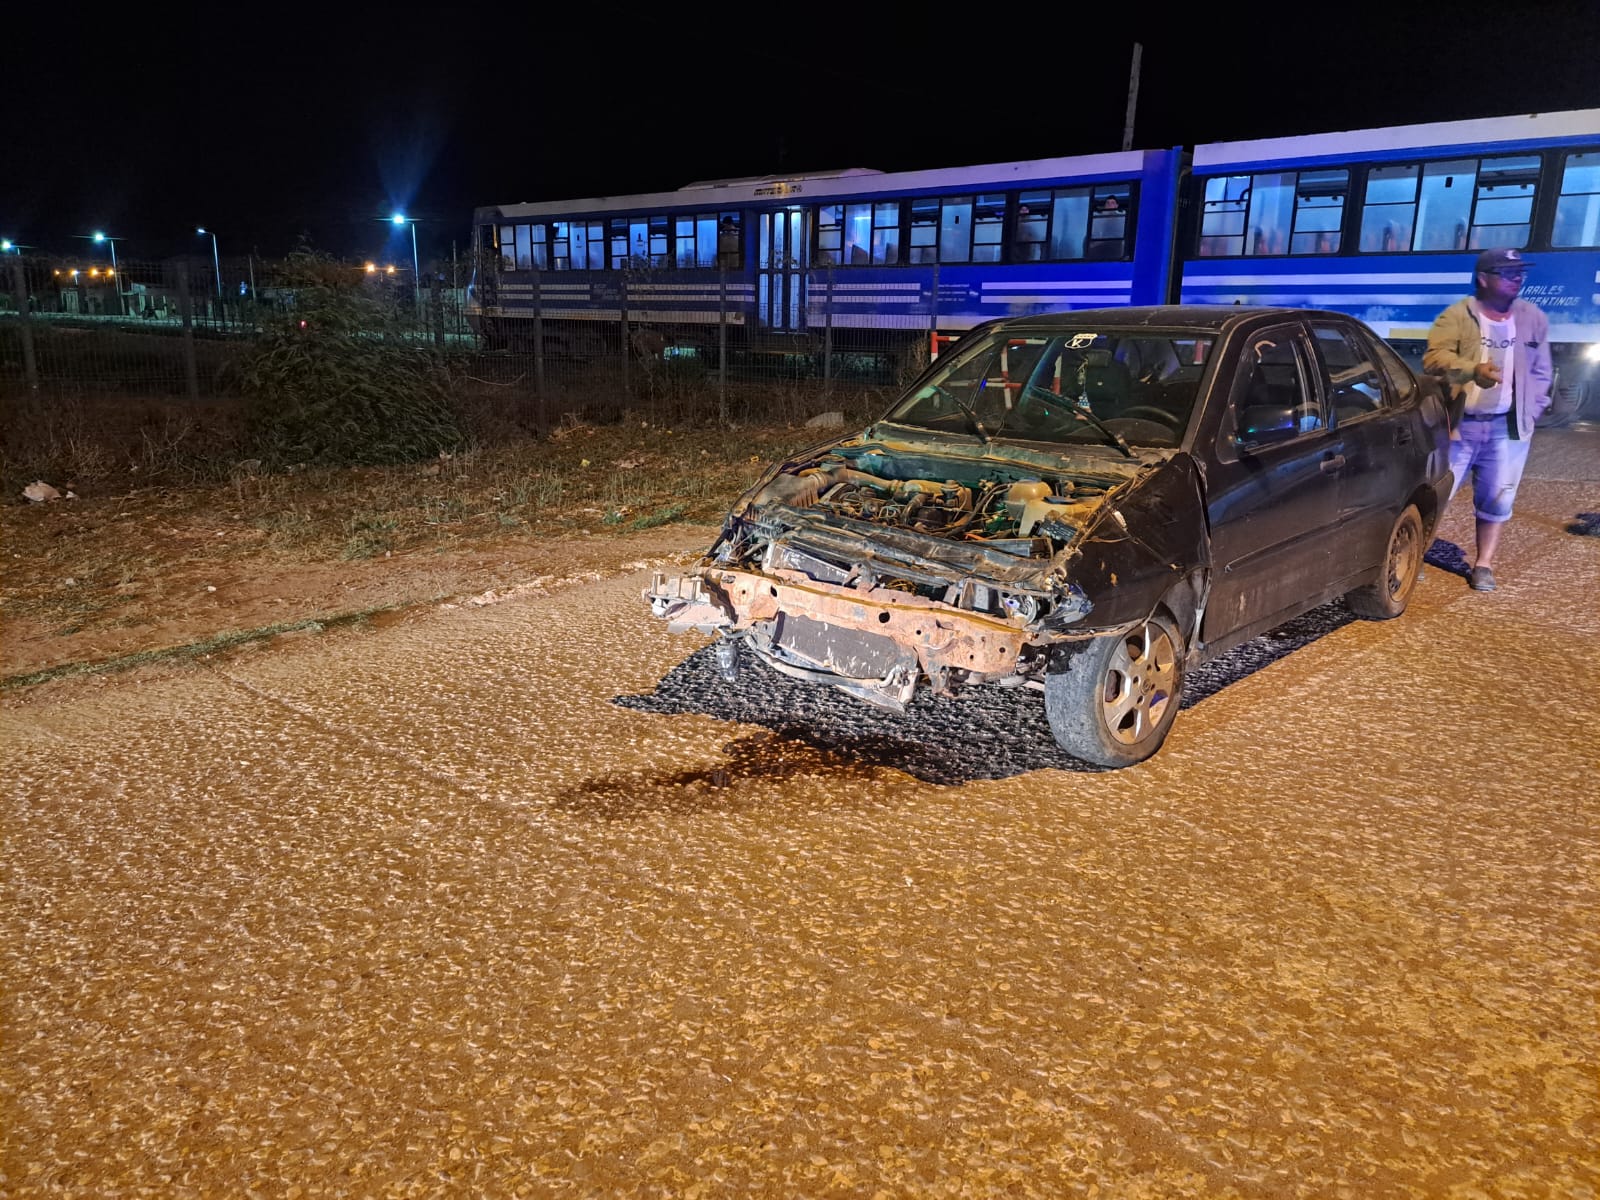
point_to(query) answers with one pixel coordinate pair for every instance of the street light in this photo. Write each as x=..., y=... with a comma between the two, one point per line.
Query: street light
x=122, y=310
x=216, y=262
x=416, y=271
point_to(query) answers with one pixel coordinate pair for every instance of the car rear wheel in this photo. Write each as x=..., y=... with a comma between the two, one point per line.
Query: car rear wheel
x=1387, y=597
x=1112, y=701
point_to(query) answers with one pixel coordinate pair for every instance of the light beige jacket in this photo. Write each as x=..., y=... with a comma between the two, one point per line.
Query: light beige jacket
x=1455, y=346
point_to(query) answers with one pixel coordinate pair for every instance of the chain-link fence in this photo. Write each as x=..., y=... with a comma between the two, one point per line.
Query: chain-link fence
x=590, y=348
x=170, y=328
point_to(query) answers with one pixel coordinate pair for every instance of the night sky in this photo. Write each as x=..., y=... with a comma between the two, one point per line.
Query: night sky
x=318, y=120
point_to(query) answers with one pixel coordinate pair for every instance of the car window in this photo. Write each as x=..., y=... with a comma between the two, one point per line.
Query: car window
x=1354, y=382
x=1089, y=386
x=1273, y=399
x=1402, y=379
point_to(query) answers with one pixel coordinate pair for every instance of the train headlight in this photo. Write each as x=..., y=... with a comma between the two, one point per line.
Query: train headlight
x=1592, y=354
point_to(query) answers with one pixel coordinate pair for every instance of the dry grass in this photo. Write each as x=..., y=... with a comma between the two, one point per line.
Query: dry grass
x=132, y=558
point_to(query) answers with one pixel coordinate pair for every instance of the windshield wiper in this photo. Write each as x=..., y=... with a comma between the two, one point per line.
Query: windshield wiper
x=972, y=414
x=1062, y=404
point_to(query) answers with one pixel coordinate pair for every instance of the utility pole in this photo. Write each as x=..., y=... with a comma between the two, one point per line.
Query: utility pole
x=1133, y=97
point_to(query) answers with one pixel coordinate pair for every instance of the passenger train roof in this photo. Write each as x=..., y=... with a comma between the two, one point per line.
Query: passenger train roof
x=823, y=185
x=1579, y=125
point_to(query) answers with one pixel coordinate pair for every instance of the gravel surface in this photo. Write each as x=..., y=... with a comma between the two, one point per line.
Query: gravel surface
x=518, y=900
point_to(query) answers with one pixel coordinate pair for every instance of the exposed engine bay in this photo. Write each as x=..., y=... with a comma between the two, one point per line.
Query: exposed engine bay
x=873, y=567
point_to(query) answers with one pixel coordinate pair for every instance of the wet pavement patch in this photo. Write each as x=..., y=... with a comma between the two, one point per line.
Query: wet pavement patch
x=1448, y=556
x=984, y=733
x=767, y=757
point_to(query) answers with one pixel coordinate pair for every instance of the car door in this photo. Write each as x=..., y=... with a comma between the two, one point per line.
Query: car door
x=1382, y=449
x=1273, y=491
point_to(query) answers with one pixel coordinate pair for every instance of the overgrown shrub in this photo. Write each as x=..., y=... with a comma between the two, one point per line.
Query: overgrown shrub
x=340, y=377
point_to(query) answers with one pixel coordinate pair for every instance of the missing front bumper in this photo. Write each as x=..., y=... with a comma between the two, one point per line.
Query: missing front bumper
x=876, y=644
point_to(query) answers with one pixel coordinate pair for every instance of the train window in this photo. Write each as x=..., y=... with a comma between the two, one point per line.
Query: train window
x=1456, y=204
x=729, y=245
x=1319, y=211
x=577, y=246
x=522, y=248
x=955, y=229
x=1108, y=221
x=1578, y=205
x=1033, y=225
x=924, y=231
x=708, y=240
x=988, y=224
x=687, y=242
x=1502, y=210
x=530, y=247
x=1445, y=205
x=638, y=242
x=886, y=233
x=830, y=233
x=871, y=234
x=1390, y=208
x=1222, y=216
x=958, y=229
x=1284, y=212
x=1065, y=224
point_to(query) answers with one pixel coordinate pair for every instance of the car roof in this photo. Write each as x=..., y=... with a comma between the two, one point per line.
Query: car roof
x=1202, y=317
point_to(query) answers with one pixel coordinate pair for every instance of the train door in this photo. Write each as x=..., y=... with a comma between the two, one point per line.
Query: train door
x=781, y=254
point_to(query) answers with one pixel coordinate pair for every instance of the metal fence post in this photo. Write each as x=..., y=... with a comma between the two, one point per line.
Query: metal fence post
x=622, y=320
x=436, y=312
x=827, y=338
x=19, y=293
x=722, y=345
x=541, y=422
x=186, y=307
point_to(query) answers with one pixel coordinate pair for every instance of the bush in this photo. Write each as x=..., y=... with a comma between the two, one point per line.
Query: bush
x=341, y=378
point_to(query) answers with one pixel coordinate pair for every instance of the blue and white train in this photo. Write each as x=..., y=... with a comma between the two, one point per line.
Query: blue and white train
x=1383, y=224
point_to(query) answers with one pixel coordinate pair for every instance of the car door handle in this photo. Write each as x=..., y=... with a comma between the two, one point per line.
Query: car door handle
x=1332, y=463
x=1402, y=436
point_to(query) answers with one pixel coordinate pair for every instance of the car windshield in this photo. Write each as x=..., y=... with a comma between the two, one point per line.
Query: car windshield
x=1136, y=385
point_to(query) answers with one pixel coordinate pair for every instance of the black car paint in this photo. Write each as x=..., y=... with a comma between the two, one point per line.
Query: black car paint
x=1232, y=538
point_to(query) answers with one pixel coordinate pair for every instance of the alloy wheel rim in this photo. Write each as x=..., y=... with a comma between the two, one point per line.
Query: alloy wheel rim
x=1139, y=684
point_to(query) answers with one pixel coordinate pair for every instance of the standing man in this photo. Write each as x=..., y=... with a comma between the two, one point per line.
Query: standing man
x=1495, y=351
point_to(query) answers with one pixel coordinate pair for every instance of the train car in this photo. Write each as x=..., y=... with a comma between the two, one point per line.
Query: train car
x=1385, y=225
x=866, y=258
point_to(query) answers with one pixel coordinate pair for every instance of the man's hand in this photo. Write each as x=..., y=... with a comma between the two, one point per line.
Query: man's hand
x=1486, y=375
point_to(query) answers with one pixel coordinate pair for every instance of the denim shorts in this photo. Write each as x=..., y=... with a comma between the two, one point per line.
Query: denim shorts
x=1495, y=459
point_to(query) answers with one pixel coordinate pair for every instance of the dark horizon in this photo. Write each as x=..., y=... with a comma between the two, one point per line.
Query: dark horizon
x=327, y=131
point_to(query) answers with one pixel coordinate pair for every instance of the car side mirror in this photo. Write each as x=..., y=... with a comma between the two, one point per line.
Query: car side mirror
x=1265, y=425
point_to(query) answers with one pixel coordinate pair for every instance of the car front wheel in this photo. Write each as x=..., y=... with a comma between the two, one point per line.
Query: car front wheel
x=1112, y=701
x=1402, y=561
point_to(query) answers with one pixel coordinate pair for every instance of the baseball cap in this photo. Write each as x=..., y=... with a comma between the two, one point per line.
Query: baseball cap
x=1506, y=258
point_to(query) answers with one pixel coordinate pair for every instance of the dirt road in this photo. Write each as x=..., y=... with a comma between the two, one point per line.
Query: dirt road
x=514, y=900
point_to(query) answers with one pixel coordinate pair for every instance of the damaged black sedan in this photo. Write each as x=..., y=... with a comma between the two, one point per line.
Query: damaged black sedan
x=1090, y=504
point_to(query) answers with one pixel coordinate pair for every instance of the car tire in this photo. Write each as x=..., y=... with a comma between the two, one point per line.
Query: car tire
x=1112, y=701
x=1386, y=598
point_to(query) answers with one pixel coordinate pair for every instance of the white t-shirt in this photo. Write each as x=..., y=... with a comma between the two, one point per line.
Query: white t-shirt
x=1499, y=348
